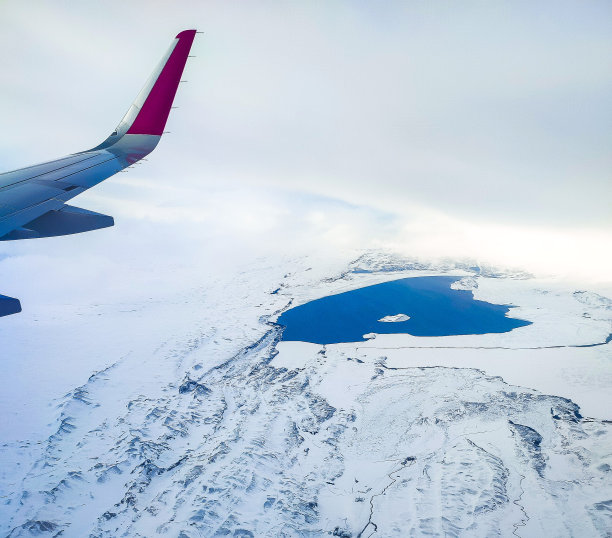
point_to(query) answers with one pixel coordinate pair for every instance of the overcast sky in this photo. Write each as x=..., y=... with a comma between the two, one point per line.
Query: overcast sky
x=434, y=128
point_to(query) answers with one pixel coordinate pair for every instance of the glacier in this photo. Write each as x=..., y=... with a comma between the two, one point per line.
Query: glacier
x=187, y=415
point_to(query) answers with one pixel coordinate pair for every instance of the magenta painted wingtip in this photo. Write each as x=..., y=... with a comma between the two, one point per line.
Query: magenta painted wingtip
x=186, y=33
x=153, y=113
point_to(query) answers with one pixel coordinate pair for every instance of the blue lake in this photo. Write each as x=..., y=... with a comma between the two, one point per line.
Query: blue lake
x=433, y=307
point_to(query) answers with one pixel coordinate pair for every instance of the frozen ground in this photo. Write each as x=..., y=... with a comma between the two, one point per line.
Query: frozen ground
x=182, y=414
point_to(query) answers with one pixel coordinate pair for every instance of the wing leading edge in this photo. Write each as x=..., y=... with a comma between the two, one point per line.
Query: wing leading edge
x=33, y=199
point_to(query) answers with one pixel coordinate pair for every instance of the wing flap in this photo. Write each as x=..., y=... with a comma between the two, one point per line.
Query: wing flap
x=19, y=218
x=64, y=221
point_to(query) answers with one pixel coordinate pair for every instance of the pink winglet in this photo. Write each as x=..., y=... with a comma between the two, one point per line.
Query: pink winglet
x=153, y=115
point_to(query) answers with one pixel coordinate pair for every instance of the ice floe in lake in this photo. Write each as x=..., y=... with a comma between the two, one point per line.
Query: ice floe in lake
x=394, y=319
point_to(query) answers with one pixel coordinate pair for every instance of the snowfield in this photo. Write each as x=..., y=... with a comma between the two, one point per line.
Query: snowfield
x=186, y=415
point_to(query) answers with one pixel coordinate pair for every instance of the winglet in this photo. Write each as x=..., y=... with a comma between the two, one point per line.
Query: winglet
x=154, y=112
x=149, y=112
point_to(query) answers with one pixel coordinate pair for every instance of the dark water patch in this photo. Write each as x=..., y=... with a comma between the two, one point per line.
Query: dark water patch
x=433, y=307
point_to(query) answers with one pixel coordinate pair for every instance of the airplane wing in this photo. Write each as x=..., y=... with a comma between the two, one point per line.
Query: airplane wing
x=33, y=199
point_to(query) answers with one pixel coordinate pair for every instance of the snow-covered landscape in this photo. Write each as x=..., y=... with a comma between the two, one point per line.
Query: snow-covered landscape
x=187, y=415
